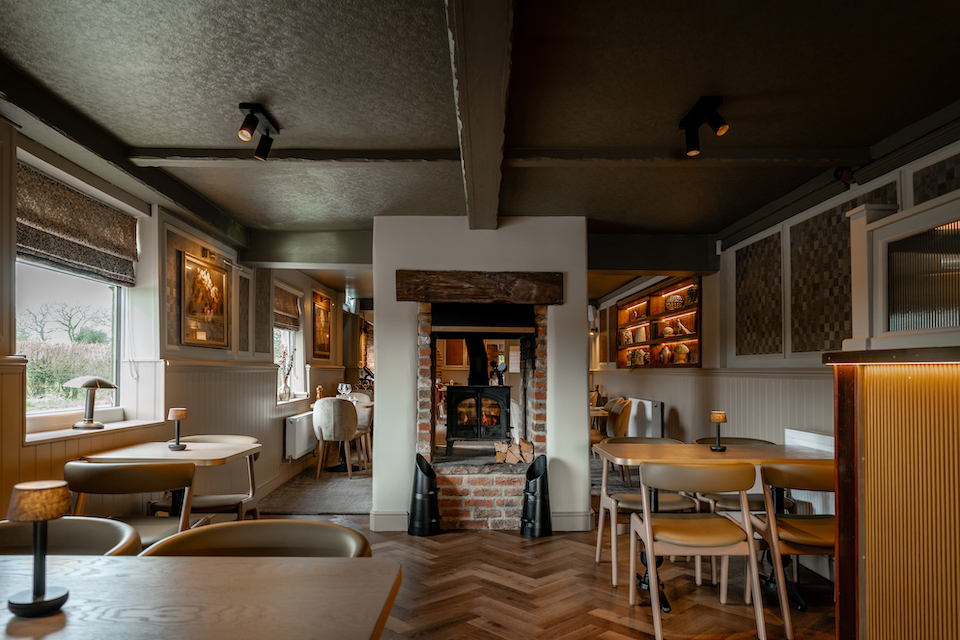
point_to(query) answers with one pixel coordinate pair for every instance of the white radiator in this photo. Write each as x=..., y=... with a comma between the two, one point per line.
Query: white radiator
x=298, y=436
x=646, y=418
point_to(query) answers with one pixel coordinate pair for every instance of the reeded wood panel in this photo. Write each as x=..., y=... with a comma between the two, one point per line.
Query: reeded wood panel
x=911, y=537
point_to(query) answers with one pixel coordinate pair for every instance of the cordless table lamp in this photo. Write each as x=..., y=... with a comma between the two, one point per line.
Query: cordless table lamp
x=37, y=502
x=718, y=417
x=177, y=415
x=91, y=384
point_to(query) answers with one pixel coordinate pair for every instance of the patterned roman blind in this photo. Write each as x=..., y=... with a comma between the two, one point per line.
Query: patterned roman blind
x=286, y=309
x=63, y=228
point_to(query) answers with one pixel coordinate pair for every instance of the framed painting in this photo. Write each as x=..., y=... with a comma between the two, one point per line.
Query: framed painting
x=203, y=304
x=321, y=326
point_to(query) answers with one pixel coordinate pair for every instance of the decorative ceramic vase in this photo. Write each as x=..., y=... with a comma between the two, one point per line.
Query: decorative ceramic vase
x=665, y=354
x=284, y=393
x=681, y=351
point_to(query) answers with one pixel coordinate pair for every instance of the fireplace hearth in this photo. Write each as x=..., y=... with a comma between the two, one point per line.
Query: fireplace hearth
x=477, y=413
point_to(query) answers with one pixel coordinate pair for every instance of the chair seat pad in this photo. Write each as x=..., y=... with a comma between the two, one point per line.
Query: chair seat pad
x=154, y=528
x=731, y=501
x=214, y=503
x=596, y=437
x=696, y=530
x=665, y=501
x=816, y=531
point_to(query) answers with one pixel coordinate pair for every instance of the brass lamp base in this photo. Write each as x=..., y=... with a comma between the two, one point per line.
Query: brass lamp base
x=24, y=605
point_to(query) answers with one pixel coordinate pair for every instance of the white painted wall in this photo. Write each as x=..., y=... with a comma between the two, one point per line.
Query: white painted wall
x=446, y=243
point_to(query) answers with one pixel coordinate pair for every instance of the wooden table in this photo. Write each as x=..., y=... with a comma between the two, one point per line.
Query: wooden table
x=756, y=454
x=202, y=454
x=207, y=597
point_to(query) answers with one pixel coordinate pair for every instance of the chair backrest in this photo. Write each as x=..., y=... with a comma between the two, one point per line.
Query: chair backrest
x=641, y=440
x=612, y=403
x=618, y=423
x=295, y=538
x=594, y=398
x=731, y=440
x=334, y=419
x=130, y=477
x=73, y=536
x=698, y=476
x=359, y=396
x=811, y=475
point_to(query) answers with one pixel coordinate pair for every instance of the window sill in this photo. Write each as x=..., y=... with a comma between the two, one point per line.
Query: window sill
x=43, y=437
x=299, y=398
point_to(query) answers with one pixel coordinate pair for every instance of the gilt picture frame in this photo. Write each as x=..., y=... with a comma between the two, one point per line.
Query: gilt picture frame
x=321, y=326
x=204, y=304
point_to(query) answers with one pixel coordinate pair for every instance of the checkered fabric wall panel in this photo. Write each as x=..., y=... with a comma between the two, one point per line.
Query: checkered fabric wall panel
x=759, y=277
x=937, y=179
x=820, y=289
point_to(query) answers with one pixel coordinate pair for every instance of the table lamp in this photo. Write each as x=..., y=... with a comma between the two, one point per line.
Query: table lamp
x=37, y=502
x=718, y=417
x=177, y=415
x=91, y=384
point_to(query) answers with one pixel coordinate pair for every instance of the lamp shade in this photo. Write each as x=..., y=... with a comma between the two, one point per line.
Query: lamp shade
x=89, y=382
x=718, y=416
x=177, y=414
x=38, y=501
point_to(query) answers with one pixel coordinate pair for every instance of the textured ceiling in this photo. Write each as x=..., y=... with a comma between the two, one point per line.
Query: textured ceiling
x=589, y=84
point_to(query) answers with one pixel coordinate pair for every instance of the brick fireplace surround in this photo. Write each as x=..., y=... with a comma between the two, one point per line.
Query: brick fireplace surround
x=483, y=496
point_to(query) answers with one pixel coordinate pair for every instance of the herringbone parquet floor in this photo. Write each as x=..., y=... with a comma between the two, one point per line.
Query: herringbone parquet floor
x=499, y=585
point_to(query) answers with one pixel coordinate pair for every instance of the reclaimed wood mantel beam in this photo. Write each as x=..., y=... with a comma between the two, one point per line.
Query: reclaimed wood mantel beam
x=513, y=287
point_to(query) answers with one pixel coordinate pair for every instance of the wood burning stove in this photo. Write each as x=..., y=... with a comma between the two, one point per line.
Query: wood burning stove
x=477, y=413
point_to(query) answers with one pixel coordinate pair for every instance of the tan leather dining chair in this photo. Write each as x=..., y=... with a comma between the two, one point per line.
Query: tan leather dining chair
x=239, y=503
x=73, y=536
x=700, y=533
x=612, y=504
x=294, y=538
x=334, y=420
x=613, y=408
x=792, y=534
x=117, y=478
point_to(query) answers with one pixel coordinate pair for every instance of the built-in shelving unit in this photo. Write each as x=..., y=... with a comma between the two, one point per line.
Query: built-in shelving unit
x=659, y=327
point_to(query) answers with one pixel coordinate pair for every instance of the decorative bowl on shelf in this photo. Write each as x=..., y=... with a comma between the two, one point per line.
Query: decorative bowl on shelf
x=667, y=332
x=673, y=302
x=681, y=351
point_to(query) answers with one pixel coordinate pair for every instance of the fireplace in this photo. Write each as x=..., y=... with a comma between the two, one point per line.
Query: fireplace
x=477, y=413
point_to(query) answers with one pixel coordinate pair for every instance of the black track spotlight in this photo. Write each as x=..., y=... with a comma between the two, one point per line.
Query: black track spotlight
x=693, y=142
x=256, y=119
x=705, y=111
x=263, y=147
x=249, y=127
x=718, y=124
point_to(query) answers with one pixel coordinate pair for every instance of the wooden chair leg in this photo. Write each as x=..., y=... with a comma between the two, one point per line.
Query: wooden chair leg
x=776, y=559
x=613, y=544
x=654, y=584
x=600, y=531
x=348, y=454
x=321, y=449
x=724, y=571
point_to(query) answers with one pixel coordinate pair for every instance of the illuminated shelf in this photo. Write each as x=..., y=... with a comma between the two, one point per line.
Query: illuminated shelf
x=646, y=332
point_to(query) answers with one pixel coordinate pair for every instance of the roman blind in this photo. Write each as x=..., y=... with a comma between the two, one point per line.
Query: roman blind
x=63, y=228
x=286, y=309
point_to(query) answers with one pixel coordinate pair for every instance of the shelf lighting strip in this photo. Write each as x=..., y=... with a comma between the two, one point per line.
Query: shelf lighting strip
x=679, y=315
x=634, y=306
x=670, y=293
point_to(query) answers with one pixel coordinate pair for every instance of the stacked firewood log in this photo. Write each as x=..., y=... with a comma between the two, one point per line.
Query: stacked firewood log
x=514, y=453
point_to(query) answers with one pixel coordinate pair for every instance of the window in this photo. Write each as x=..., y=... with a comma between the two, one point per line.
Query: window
x=288, y=343
x=514, y=359
x=66, y=327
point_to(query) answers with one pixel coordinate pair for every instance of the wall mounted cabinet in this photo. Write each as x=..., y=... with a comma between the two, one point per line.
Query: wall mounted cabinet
x=660, y=326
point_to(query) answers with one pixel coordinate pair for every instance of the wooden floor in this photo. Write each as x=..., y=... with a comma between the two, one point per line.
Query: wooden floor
x=489, y=584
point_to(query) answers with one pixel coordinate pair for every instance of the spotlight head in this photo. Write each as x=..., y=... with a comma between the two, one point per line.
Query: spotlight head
x=693, y=142
x=248, y=127
x=263, y=147
x=718, y=124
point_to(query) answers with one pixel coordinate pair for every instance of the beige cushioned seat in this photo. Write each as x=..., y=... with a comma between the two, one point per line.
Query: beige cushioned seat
x=696, y=530
x=334, y=420
x=666, y=501
x=73, y=536
x=293, y=538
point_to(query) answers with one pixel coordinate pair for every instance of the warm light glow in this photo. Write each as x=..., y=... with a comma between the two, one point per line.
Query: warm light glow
x=679, y=315
x=248, y=127
x=723, y=129
x=634, y=306
x=245, y=135
x=692, y=153
x=718, y=416
x=673, y=291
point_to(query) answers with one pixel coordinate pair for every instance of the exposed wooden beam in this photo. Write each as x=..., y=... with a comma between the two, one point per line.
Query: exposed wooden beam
x=481, y=33
x=150, y=157
x=40, y=104
x=512, y=287
x=527, y=158
x=308, y=249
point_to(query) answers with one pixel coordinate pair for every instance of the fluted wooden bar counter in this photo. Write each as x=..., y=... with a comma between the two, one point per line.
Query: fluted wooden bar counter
x=207, y=597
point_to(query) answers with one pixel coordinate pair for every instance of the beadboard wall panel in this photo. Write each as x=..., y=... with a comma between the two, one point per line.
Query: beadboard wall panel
x=237, y=400
x=759, y=404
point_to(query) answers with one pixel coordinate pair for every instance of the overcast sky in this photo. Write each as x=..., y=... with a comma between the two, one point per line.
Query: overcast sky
x=36, y=285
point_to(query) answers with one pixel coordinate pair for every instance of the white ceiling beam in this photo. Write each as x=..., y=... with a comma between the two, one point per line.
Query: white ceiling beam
x=481, y=33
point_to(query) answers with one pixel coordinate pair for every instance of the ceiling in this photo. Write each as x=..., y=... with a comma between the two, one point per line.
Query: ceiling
x=477, y=109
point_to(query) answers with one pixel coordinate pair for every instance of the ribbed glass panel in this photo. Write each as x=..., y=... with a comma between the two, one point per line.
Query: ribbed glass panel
x=924, y=280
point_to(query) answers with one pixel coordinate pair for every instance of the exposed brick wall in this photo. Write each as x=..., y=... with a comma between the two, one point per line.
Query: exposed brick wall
x=480, y=501
x=533, y=365
x=426, y=370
